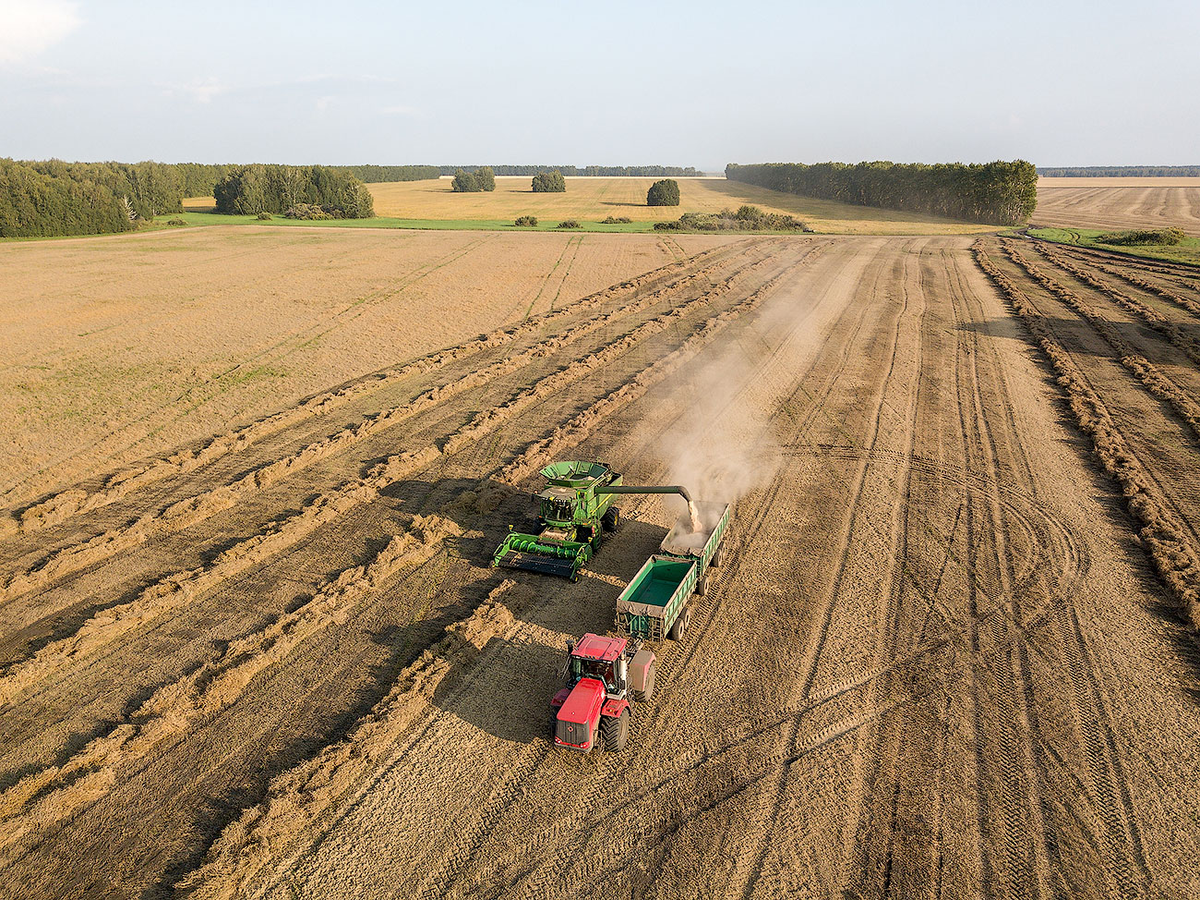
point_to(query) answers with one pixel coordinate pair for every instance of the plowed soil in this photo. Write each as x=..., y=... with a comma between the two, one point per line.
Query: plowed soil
x=1120, y=203
x=947, y=652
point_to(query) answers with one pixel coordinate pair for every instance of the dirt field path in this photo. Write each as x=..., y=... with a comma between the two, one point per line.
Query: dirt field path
x=936, y=661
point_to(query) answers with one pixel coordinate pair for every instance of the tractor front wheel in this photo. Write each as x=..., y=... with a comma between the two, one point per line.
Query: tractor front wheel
x=615, y=731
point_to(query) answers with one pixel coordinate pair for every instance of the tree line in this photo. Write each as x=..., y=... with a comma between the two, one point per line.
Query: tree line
x=578, y=171
x=53, y=198
x=261, y=188
x=1119, y=171
x=1002, y=193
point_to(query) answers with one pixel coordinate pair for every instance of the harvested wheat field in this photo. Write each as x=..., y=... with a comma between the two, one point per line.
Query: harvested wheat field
x=593, y=199
x=1120, y=203
x=253, y=647
x=113, y=349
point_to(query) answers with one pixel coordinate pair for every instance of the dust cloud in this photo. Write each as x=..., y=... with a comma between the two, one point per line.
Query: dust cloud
x=723, y=446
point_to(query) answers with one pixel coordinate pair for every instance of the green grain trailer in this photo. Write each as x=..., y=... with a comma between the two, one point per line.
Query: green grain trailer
x=656, y=604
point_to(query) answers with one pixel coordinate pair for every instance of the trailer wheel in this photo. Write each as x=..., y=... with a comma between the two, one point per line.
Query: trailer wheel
x=681, y=624
x=615, y=731
x=648, y=692
x=611, y=520
x=702, y=584
x=717, y=557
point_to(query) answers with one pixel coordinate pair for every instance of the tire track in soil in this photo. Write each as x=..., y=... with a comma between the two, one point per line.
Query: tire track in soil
x=753, y=301
x=190, y=511
x=180, y=589
x=1124, y=855
x=1167, y=538
x=65, y=504
x=746, y=871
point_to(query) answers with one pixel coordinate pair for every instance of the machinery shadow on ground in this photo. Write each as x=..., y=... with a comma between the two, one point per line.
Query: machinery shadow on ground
x=506, y=690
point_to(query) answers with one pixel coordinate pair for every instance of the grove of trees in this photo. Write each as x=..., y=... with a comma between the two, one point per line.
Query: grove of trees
x=663, y=193
x=256, y=188
x=552, y=182
x=482, y=179
x=52, y=198
x=1002, y=193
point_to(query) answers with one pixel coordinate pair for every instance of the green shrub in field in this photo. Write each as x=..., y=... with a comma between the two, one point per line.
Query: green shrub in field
x=567, y=223
x=176, y=223
x=617, y=220
x=526, y=222
x=264, y=217
x=663, y=193
x=549, y=182
x=1143, y=237
x=482, y=179
x=747, y=218
x=308, y=211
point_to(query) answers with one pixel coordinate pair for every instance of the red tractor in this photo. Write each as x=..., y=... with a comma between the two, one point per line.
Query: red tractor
x=602, y=674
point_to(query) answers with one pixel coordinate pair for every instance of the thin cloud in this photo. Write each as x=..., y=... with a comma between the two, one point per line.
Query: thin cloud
x=30, y=27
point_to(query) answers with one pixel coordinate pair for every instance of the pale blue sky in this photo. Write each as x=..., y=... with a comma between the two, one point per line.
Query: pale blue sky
x=676, y=83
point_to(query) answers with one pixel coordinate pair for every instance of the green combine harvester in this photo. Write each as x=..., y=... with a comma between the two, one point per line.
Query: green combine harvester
x=575, y=510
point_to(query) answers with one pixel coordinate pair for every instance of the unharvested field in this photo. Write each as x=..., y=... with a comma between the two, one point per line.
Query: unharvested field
x=594, y=199
x=1120, y=203
x=937, y=662
x=115, y=348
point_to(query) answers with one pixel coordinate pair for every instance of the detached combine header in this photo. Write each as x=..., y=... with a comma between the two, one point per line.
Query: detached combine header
x=574, y=511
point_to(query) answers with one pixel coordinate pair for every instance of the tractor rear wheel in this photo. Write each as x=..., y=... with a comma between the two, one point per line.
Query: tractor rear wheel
x=615, y=731
x=648, y=691
x=611, y=520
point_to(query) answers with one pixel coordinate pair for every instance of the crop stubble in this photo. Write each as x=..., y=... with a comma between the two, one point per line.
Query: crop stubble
x=933, y=664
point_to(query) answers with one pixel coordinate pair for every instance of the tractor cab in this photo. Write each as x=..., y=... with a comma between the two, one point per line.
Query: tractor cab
x=601, y=658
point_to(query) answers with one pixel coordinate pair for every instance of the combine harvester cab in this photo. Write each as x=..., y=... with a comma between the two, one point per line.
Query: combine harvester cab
x=657, y=602
x=602, y=675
